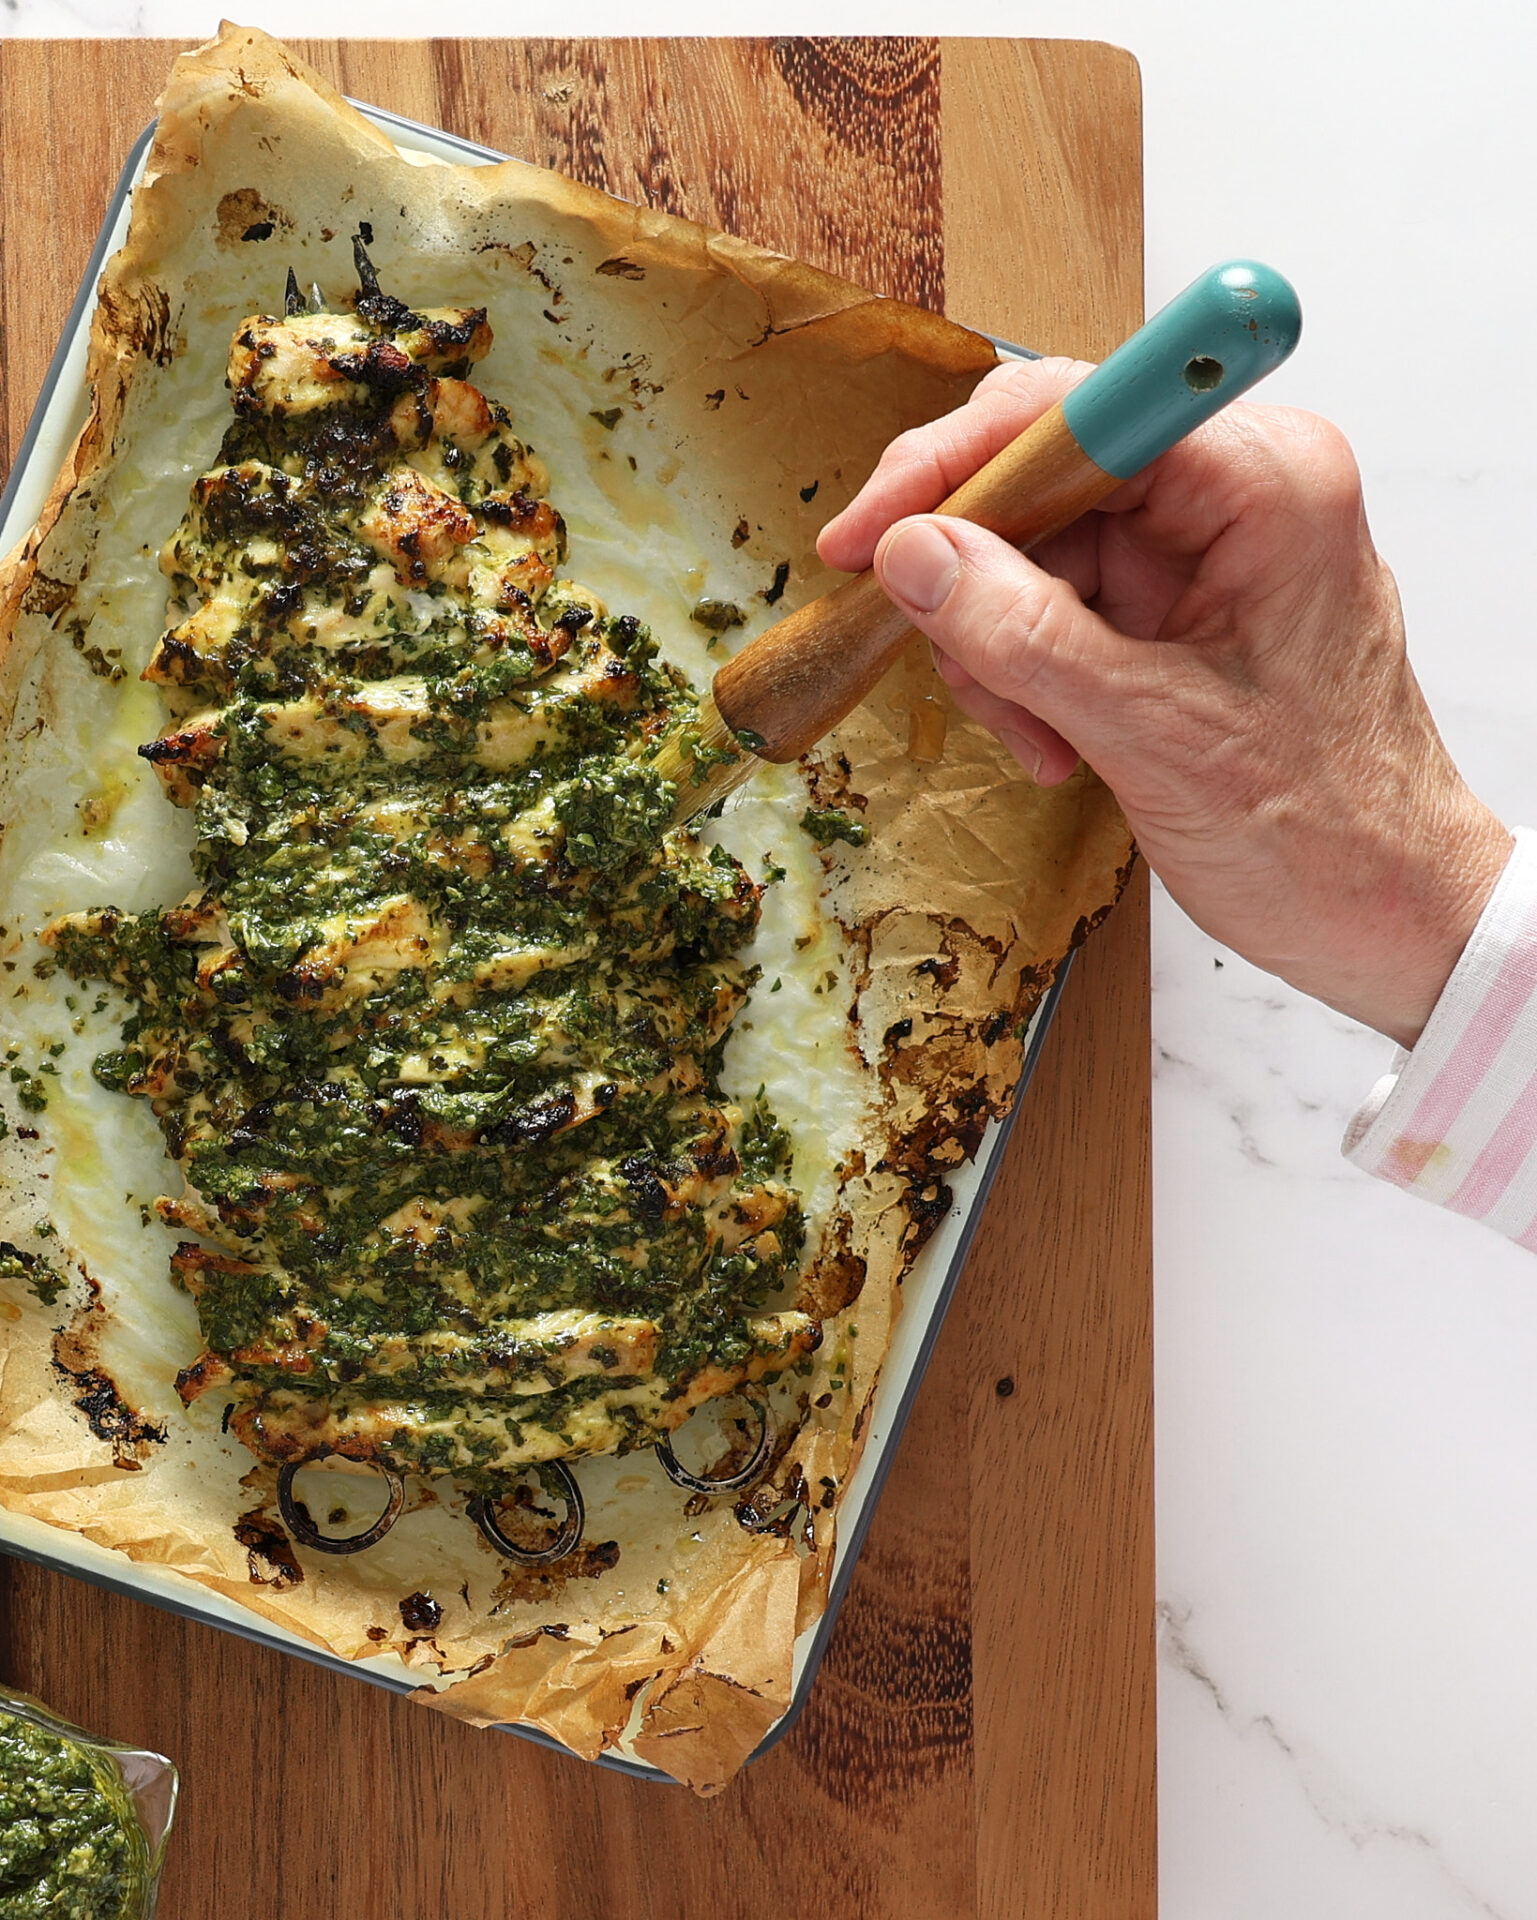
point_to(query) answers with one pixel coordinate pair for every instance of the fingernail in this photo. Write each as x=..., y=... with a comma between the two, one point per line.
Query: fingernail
x=919, y=566
x=1023, y=749
x=950, y=671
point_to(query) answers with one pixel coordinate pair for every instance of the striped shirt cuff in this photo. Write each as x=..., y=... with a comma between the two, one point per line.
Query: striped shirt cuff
x=1456, y=1120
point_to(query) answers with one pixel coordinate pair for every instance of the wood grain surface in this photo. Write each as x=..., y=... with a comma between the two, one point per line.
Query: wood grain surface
x=980, y=1742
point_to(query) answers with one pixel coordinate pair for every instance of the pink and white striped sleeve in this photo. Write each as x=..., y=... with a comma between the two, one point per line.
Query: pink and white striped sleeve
x=1456, y=1120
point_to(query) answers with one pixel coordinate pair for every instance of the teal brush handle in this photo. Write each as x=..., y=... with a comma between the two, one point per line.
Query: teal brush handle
x=1210, y=344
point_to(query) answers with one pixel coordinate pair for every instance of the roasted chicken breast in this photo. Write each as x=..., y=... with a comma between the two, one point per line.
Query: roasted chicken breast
x=435, y=1041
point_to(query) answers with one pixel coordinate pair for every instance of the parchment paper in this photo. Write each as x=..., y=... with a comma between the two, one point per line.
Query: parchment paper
x=686, y=389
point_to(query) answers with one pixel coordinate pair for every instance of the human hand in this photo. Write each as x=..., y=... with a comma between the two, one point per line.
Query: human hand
x=1223, y=645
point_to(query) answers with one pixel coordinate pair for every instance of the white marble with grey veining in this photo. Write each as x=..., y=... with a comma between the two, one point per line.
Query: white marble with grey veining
x=1347, y=1414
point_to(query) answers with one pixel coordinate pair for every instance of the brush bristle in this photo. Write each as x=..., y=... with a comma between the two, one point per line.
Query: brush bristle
x=677, y=759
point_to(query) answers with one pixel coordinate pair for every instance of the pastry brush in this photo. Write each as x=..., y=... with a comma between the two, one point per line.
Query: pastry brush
x=775, y=699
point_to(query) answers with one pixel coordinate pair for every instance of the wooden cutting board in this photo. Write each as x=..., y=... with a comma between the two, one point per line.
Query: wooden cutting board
x=980, y=1742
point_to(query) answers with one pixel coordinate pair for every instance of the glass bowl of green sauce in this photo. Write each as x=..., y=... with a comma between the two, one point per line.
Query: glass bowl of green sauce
x=83, y=1822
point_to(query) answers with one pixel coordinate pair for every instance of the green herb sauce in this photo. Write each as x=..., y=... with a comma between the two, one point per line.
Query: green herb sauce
x=717, y=616
x=70, y=1848
x=827, y=824
x=436, y=1040
x=41, y=1278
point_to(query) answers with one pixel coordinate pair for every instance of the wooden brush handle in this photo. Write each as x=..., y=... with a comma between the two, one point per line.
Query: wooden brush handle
x=795, y=682
x=798, y=680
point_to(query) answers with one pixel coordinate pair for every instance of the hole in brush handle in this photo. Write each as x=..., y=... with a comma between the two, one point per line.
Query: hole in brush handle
x=1203, y=374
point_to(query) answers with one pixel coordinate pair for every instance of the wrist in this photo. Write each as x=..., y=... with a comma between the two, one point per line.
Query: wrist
x=1415, y=921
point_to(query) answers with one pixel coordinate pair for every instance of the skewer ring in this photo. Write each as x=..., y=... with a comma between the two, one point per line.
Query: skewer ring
x=727, y=1482
x=298, y=1522
x=483, y=1507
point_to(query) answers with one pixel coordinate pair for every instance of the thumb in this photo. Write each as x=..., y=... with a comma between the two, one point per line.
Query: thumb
x=1020, y=634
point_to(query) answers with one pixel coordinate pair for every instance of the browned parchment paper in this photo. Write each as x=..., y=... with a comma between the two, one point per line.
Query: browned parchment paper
x=687, y=389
